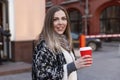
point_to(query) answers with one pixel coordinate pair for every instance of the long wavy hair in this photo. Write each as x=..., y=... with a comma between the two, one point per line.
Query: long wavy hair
x=50, y=36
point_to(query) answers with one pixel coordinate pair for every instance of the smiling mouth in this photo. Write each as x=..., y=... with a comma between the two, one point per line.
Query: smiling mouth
x=60, y=29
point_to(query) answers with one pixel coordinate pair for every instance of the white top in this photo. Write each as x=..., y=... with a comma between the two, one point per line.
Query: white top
x=69, y=58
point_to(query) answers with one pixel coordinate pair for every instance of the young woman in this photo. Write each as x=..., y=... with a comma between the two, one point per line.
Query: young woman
x=53, y=57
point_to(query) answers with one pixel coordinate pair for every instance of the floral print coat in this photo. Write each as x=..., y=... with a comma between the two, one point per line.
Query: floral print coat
x=46, y=65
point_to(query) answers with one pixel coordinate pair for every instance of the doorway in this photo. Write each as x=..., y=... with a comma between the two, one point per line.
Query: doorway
x=4, y=40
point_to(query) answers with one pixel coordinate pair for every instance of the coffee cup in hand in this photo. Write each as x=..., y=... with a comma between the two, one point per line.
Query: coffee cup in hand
x=85, y=51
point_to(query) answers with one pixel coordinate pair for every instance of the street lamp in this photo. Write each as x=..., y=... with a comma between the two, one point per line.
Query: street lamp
x=86, y=15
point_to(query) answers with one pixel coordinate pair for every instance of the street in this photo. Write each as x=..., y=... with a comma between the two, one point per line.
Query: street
x=105, y=66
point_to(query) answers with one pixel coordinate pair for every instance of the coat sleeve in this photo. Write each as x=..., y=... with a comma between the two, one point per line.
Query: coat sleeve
x=46, y=67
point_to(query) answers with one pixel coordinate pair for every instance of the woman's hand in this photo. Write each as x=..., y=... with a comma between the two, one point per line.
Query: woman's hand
x=84, y=61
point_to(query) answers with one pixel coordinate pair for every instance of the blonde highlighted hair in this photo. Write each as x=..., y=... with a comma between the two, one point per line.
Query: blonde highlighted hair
x=48, y=32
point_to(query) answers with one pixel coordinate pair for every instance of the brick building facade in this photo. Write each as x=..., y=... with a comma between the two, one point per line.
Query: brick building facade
x=91, y=16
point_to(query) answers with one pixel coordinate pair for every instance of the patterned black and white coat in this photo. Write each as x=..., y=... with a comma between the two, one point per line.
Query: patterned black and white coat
x=50, y=66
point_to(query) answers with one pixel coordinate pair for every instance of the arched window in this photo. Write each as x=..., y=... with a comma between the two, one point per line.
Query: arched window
x=110, y=20
x=76, y=22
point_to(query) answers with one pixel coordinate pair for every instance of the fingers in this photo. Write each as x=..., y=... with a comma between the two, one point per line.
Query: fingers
x=84, y=61
x=87, y=59
x=86, y=56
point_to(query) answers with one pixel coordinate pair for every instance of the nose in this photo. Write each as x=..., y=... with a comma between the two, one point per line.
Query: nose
x=60, y=21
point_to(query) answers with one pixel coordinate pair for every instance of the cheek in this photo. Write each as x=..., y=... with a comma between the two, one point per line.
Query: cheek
x=55, y=29
x=54, y=24
x=66, y=23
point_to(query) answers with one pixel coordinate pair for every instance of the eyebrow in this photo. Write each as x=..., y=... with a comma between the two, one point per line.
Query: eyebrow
x=62, y=17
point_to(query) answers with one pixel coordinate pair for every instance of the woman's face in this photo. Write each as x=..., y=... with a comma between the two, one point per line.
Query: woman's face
x=59, y=22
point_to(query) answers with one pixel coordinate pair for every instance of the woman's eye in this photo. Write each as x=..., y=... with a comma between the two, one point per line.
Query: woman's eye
x=55, y=19
x=64, y=18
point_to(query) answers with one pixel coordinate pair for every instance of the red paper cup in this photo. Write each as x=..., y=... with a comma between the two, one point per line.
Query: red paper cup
x=85, y=51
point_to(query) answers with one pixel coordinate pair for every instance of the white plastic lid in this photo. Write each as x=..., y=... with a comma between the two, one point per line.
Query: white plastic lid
x=85, y=48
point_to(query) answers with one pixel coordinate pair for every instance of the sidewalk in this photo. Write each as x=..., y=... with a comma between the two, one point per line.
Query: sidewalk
x=20, y=76
x=14, y=67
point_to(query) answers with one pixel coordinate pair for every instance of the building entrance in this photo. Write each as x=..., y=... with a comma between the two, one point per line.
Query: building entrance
x=4, y=31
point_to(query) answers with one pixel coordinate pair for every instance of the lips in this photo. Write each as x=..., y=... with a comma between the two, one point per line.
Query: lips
x=60, y=27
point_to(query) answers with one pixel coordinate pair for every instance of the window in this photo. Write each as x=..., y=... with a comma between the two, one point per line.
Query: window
x=76, y=23
x=110, y=20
